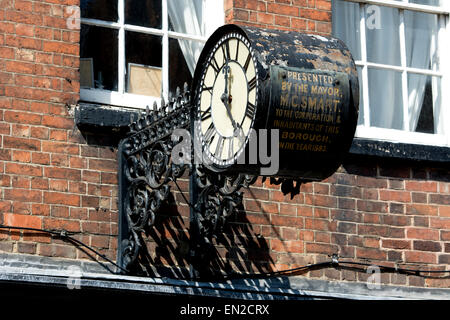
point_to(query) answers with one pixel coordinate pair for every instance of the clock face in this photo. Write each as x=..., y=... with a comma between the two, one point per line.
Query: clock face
x=226, y=100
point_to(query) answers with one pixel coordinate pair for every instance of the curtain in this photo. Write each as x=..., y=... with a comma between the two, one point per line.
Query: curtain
x=383, y=46
x=192, y=17
x=421, y=49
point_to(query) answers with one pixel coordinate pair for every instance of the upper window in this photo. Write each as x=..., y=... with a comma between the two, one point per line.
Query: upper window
x=400, y=49
x=135, y=51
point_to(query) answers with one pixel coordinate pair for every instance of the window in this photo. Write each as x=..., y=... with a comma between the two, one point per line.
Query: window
x=134, y=51
x=401, y=51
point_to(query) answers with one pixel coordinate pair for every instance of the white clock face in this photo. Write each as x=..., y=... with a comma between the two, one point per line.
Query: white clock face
x=227, y=99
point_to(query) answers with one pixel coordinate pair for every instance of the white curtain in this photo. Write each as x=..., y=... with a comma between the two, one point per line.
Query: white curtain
x=193, y=17
x=422, y=49
x=383, y=46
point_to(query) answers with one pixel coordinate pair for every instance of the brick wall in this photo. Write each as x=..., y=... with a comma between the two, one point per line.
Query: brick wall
x=49, y=176
x=313, y=16
x=54, y=176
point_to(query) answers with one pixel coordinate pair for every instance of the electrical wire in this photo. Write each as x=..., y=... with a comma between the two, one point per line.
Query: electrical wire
x=334, y=262
x=63, y=234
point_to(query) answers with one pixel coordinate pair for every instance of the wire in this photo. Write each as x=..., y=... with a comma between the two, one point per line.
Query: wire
x=63, y=234
x=334, y=262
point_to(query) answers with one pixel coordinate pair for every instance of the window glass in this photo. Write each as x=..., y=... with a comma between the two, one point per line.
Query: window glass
x=421, y=40
x=427, y=2
x=136, y=47
x=386, y=100
x=382, y=35
x=143, y=63
x=403, y=57
x=99, y=9
x=348, y=32
x=98, y=52
x=178, y=69
x=361, y=104
x=144, y=13
x=424, y=104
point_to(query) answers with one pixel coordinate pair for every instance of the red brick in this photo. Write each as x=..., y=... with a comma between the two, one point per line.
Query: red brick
x=420, y=257
x=292, y=246
x=277, y=220
x=61, y=224
x=396, y=244
x=63, y=173
x=22, y=117
x=58, y=185
x=422, y=209
x=265, y=18
x=23, y=17
x=369, y=253
x=5, y=181
x=40, y=209
x=20, y=130
x=398, y=196
x=21, y=143
x=323, y=5
x=321, y=248
x=107, y=165
x=20, y=220
x=21, y=182
x=7, y=53
x=282, y=21
x=423, y=186
x=440, y=223
x=315, y=15
x=281, y=9
x=57, y=122
x=60, y=211
x=21, y=156
x=422, y=234
x=60, y=47
x=39, y=183
x=40, y=158
x=430, y=246
x=23, y=169
x=61, y=198
x=60, y=147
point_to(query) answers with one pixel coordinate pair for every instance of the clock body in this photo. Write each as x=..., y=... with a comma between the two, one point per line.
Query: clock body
x=252, y=84
x=226, y=97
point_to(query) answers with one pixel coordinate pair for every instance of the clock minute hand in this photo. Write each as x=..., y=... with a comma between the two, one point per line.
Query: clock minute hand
x=225, y=96
x=224, y=99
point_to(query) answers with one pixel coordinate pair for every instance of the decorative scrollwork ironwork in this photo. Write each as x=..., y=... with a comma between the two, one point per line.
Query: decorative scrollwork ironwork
x=148, y=168
x=218, y=199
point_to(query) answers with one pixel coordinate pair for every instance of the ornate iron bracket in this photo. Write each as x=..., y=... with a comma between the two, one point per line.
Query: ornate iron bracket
x=147, y=168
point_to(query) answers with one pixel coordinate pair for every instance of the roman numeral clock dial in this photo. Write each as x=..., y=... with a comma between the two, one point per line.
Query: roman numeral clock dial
x=226, y=99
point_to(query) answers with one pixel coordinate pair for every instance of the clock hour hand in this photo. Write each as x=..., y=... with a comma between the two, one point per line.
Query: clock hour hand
x=225, y=96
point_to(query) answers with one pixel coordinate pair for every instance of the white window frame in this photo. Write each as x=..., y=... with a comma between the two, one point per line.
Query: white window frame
x=406, y=136
x=121, y=97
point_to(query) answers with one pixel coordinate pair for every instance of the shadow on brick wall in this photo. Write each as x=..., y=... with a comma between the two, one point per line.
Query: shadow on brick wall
x=238, y=249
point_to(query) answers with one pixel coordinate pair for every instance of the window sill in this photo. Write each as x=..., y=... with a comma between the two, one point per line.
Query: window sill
x=399, y=151
x=103, y=118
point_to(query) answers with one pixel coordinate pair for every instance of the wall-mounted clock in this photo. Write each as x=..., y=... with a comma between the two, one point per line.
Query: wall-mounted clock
x=226, y=99
x=304, y=86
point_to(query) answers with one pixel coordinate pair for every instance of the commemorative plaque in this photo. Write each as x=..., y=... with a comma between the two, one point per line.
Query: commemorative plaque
x=301, y=88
